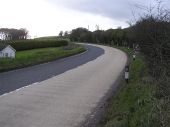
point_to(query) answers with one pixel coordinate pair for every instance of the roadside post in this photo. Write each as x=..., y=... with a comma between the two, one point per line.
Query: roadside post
x=127, y=74
x=134, y=56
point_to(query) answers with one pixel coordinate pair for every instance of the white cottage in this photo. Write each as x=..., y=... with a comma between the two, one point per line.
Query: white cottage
x=7, y=51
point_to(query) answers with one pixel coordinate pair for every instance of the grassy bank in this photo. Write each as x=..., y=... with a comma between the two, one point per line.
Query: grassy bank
x=36, y=56
x=132, y=104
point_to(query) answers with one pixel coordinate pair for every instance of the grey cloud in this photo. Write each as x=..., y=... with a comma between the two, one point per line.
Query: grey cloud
x=114, y=9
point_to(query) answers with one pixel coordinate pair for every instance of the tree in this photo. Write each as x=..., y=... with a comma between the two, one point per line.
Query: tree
x=61, y=33
x=152, y=32
x=13, y=34
x=66, y=34
x=80, y=34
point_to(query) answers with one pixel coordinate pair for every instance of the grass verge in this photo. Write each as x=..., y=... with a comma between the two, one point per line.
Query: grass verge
x=131, y=106
x=37, y=56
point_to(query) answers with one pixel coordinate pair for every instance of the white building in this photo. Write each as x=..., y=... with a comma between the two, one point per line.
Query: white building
x=7, y=51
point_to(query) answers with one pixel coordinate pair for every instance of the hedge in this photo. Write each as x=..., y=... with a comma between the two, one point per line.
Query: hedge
x=35, y=44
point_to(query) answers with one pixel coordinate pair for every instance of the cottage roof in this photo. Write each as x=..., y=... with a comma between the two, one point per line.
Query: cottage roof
x=3, y=46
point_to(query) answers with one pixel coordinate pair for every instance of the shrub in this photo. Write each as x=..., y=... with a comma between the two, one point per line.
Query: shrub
x=35, y=44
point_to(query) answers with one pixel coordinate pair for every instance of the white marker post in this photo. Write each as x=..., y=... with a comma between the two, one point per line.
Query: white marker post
x=127, y=74
x=134, y=56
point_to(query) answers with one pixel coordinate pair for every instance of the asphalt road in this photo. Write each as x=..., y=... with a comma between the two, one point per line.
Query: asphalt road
x=60, y=93
x=10, y=81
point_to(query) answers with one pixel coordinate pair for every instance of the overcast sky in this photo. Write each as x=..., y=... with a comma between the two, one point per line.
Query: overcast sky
x=48, y=17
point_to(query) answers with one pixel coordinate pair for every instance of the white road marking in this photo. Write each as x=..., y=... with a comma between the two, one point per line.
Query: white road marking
x=19, y=89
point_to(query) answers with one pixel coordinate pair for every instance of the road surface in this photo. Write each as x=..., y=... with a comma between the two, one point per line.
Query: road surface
x=59, y=98
x=23, y=77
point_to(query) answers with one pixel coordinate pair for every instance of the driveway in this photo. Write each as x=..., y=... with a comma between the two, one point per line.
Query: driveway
x=59, y=98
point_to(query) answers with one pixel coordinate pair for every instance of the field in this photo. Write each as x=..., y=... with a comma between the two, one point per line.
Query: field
x=132, y=104
x=36, y=56
x=47, y=38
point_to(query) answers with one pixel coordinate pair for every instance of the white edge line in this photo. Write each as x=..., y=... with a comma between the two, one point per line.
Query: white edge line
x=19, y=89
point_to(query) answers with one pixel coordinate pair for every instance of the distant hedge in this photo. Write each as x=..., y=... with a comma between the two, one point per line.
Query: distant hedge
x=34, y=44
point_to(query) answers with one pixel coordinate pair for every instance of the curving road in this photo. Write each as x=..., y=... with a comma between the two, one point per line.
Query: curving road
x=10, y=81
x=60, y=93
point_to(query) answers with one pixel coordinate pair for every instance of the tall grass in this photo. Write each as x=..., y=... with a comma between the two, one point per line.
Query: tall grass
x=132, y=105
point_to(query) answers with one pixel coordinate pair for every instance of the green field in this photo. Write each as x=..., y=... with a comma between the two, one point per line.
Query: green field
x=36, y=56
x=132, y=105
x=47, y=38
